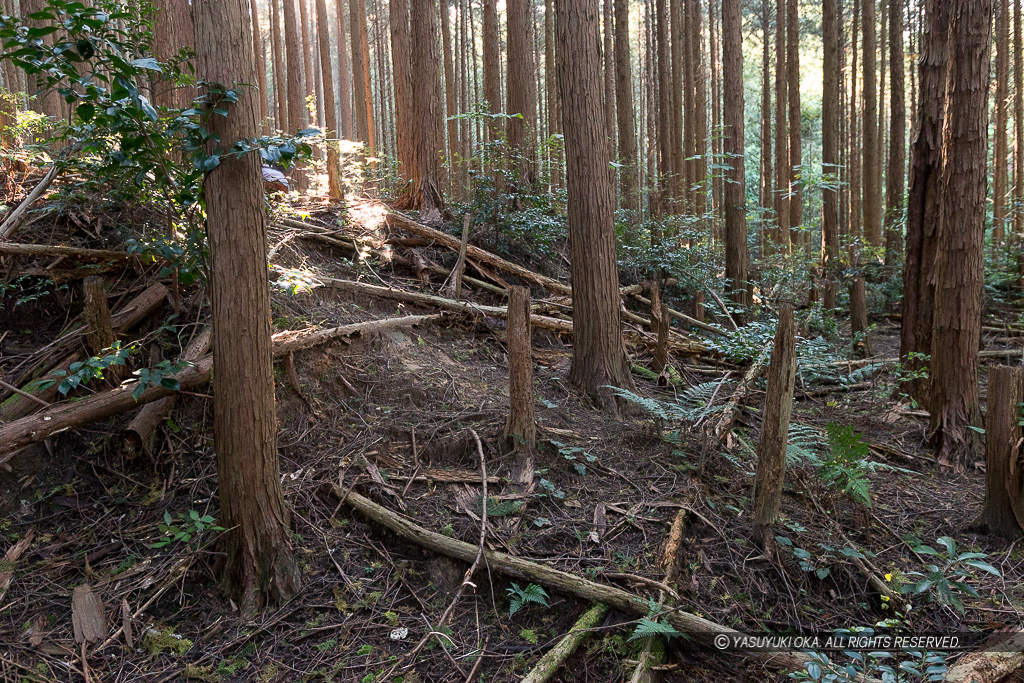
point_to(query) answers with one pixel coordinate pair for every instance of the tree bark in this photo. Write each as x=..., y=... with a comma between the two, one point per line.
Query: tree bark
x=362, y=87
x=599, y=354
x=425, y=190
x=859, y=318
x=624, y=110
x=666, y=121
x=608, y=54
x=172, y=31
x=306, y=47
x=449, y=95
x=1018, y=120
x=897, y=162
x=782, y=223
x=401, y=59
x=258, y=565
x=96, y=315
x=923, y=200
x=830, y=168
x=280, y=77
x=260, y=51
x=959, y=269
x=344, y=77
x=295, y=76
x=796, y=201
x=699, y=172
x=1002, y=434
x=333, y=154
x=766, y=194
x=492, y=65
x=734, y=145
x=771, y=447
x=522, y=90
x=521, y=427
x=871, y=169
x=999, y=177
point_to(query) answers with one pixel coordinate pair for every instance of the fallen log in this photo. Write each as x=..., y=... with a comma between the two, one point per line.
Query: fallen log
x=699, y=629
x=992, y=663
x=67, y=415
x=128, y=317
x=402, y=221
x=678, y=344
x=141, y=430
x=687, y=319
x=48, y=250
x=540, y=321
x=556, y=656
x=16, y=217
x=732, y=408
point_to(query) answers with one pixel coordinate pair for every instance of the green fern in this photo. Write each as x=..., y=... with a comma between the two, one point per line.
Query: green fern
x=691, y=405
x=649, y=627
x=805, y=444
x=520, y=597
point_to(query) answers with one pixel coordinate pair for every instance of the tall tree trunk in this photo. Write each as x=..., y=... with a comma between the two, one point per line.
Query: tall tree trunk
x=624, y=109
x=718, y=185
x=959, y=261
x=257, y=563
x=1018, y=121
x=855, y=230
x=522, y=95
x=492, y=65
x=551, y=86
x=681, y=140
x=424, y=193
x=666, y=119
x=174, y=17
x=449, y=90
x=306, y=46
x=297, y=116
x=331, y=119
x=999, y=145
x=766, y=195
x=608, y=51
x=830, y=112
x=781, y=232
x=872, y=189
x=897, y=163
x=923, y=199
x=261, y=62
x=598, y=351
x=401, y=59
x=363, y=92
x=734, y=145
x=280, y=77
x=695, y=21
x=344, y=77
x=796, y=200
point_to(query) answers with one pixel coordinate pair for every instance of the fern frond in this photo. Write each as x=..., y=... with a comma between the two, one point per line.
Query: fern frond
x=649, y=627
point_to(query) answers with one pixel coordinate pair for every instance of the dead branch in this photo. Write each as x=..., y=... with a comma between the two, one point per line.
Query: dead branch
x=399, y=220
x=10, y=558
x=696, y=627
x=18, y=215
x=128, y=317
x=63, y=416
x=554, y=658
x=732, y=408
x=141, y=430
x=11, y=249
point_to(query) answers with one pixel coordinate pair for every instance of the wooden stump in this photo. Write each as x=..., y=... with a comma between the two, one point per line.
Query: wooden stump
x=100, y=334
x=698, y=305
x=1004, y=499
x=859, y=318
x=771, y=449
x=660, y=323
x=521, y=427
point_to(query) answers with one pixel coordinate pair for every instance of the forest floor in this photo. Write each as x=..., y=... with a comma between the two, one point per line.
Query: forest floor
x=405, y=401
